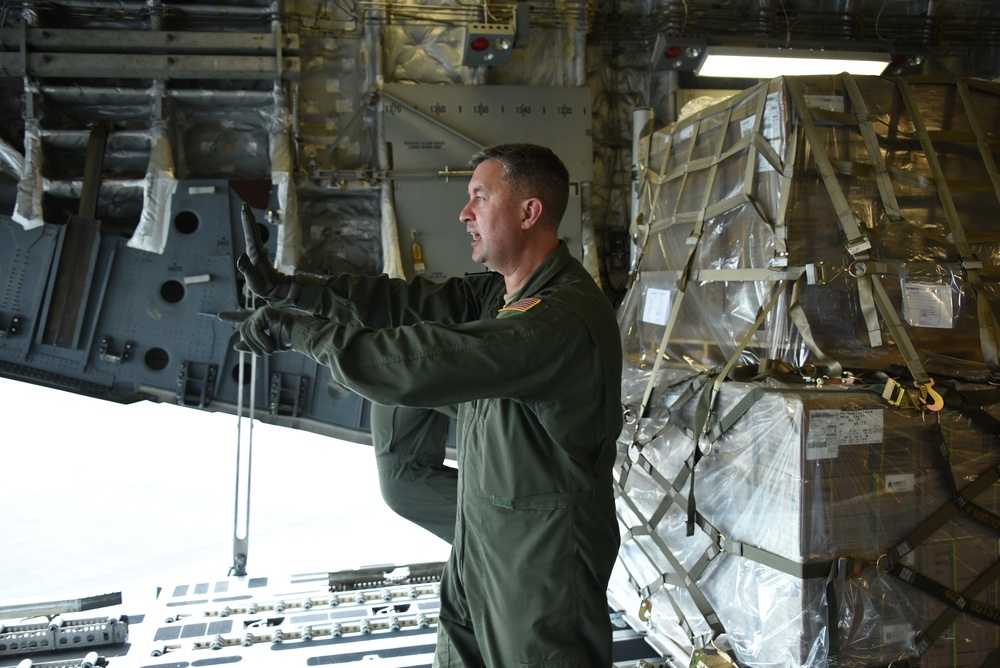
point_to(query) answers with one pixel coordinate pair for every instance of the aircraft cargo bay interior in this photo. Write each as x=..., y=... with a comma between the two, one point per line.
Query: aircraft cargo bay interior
x=652, y=333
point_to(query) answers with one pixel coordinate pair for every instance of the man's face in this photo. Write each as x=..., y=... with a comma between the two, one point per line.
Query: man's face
x=492, y=217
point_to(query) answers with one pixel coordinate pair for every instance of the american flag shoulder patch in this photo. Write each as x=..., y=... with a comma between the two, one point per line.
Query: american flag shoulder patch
x=522, y=305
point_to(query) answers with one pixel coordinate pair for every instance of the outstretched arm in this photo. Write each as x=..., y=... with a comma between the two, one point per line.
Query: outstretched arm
x=363, y=301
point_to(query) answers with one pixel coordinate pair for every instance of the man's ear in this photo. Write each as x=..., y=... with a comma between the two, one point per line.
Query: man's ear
x=531, y=212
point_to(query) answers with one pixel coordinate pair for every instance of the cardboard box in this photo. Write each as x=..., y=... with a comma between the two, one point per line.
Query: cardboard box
x=811, y=475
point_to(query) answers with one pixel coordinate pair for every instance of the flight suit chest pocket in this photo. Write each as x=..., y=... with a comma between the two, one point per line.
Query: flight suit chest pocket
x=519, y=467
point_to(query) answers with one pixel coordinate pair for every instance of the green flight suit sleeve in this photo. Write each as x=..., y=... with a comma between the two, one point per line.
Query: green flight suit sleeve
x=430, y=364
x=380, y=301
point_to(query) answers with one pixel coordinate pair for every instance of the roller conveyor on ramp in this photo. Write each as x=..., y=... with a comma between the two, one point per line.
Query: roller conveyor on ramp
x=377, y=617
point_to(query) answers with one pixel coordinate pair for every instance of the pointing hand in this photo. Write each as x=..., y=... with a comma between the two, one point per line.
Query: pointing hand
x=267, y=330
x=262, y=278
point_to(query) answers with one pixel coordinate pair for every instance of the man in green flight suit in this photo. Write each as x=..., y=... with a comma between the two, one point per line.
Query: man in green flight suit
x=530, y=354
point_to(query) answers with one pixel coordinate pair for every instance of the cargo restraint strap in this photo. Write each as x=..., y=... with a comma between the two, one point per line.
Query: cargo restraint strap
x=830, y=571
x=856, y=241
x=753, y=143
x=718, y=543
x=988, y=326
x=692, y=244
x=839, y=569
x=756, y=146
x=706, y=403
x=647, y=197
x=961, y=501
x=692, y=389
x=960, y=601
x=871, y=294
x=702, y=431
x=874, y=298
x=680, y=577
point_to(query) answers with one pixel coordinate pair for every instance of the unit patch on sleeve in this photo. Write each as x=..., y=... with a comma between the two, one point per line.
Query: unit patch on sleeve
x=522, y=305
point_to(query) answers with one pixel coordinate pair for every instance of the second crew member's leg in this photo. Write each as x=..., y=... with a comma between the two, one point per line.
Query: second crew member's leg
x=410, y=452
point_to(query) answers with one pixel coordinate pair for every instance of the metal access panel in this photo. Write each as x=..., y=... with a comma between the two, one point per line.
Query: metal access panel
x=432, y=131
x=146, y=325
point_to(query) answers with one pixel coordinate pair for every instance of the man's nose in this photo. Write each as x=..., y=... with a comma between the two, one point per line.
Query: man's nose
x=465, y=215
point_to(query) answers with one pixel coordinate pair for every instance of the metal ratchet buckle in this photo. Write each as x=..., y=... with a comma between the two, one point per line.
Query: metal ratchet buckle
x=894, y=393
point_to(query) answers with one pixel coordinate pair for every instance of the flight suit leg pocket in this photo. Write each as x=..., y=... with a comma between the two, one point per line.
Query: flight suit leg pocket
x=572, y=660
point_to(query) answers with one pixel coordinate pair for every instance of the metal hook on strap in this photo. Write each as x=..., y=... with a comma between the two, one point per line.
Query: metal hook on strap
x=932, y=401
x=644, y=609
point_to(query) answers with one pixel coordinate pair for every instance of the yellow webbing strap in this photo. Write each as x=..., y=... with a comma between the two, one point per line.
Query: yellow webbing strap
x=988, y=326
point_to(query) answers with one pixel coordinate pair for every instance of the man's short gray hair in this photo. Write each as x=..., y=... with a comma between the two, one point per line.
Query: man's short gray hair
x=532, y=171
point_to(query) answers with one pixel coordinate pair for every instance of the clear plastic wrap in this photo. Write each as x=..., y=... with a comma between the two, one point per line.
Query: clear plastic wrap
x=799, y=245
x=806, y=477
x=734, y=202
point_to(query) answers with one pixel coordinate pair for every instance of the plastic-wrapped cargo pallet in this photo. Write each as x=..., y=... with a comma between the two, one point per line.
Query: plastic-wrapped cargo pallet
x=809, y=473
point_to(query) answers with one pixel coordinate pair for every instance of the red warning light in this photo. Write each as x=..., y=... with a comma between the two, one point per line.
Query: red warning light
x=479, y=44
x=672, y=51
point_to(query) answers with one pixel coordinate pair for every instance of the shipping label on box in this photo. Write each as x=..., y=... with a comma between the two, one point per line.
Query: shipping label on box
x=829, y=429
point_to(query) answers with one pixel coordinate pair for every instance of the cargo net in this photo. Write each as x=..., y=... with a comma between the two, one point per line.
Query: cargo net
x=808, y=473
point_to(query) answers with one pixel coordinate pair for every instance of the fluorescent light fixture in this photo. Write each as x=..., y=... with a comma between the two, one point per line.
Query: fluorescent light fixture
x=753, y=63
